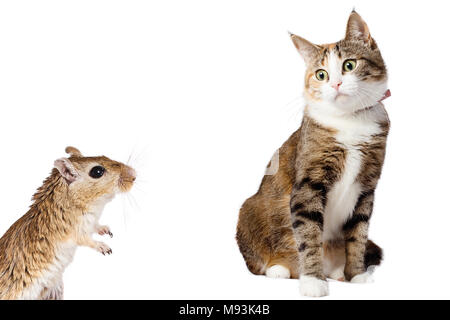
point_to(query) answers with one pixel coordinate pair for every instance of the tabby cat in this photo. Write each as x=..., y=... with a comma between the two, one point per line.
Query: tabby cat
x=310, y=219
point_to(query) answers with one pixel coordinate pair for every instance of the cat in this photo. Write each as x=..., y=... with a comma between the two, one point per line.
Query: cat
x=310, y=219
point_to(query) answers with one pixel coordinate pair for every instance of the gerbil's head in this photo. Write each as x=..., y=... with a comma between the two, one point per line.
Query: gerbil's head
x=90, y=179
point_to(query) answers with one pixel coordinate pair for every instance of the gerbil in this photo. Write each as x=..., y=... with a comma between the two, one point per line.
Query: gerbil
x=38, y=247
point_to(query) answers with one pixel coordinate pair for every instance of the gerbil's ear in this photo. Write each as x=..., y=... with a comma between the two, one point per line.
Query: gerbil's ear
x=74, y=152
x=306, y=49
x=357, y=29
x=67, y=170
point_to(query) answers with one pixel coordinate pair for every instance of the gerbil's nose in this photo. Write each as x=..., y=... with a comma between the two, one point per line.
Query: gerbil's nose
x=132, y=173
x=336, y=85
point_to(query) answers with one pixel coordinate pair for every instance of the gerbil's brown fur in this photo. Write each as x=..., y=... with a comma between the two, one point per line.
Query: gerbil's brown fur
x=64, y=214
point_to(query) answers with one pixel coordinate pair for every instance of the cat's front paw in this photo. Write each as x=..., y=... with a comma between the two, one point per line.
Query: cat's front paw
x=336, y=274
x=365, y=277
x=313, y=287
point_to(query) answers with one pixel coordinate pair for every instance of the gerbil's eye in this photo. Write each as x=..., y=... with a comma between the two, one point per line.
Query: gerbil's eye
x=97, y=172
x=321, y=75
x=349, y=65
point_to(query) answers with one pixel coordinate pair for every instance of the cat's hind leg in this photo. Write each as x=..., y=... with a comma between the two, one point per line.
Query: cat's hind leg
x=278, y=271
x=255, y=261
x=284, y=257
x=251, y=230
x=334, y=260
x=266, y=239
x=285, y=266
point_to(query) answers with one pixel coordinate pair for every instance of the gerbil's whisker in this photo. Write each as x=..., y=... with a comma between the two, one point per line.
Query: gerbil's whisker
x=124, y=212
x=139, y=181
x=141, y=190
x=133, y=201
x=133, y=151
x=136, y=160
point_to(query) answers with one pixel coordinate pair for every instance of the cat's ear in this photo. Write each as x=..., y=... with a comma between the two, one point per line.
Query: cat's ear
x=307, y=49
x=357, y=29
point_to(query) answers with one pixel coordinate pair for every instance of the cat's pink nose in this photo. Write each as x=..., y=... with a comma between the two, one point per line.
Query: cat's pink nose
x=336, y=85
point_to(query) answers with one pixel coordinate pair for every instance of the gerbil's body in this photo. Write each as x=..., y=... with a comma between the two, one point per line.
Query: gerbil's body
x=37, y=248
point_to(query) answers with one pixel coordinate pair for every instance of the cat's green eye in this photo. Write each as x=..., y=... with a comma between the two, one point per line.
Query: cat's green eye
x=321, y=75
x=349, y=65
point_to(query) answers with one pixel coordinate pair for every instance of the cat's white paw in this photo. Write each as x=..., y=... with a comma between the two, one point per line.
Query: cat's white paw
x=365, y=277
x=313, y=287
x=337, y=274
x=278, y=271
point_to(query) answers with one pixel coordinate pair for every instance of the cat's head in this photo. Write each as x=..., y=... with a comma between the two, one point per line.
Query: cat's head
x=345, y=76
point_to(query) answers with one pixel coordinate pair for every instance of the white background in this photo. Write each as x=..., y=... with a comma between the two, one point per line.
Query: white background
x=201, y=94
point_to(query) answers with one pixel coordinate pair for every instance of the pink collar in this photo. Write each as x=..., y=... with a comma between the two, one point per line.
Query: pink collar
x=387, y=94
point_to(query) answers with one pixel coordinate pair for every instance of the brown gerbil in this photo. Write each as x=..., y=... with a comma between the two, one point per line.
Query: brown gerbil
x=37, y=248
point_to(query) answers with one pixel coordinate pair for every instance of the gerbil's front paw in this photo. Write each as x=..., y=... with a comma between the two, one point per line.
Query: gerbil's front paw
x=313, y=287
x=103, y=248
x=102, y=230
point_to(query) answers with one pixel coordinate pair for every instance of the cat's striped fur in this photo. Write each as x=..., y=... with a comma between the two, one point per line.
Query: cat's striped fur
x=311, y=217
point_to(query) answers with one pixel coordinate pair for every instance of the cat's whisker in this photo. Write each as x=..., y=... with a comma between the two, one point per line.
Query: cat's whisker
x=360, y=101
x=369, y=93
x=294, y=107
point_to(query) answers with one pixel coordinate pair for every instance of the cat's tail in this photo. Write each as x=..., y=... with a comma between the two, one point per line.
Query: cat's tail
x=374, y=254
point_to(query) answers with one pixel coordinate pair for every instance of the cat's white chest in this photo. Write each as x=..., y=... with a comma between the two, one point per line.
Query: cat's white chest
x=343, y=195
